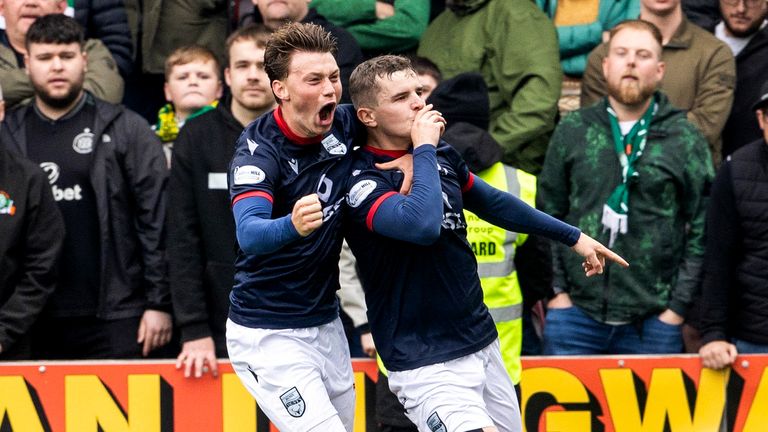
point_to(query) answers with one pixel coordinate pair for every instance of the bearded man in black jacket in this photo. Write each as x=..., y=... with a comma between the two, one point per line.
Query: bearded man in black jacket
x=201, y=245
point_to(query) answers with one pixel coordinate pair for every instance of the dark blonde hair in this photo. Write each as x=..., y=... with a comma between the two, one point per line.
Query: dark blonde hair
x=291, y=38
x=188, y=54
x=637, y=24
x=256, y=33
x=363, y=83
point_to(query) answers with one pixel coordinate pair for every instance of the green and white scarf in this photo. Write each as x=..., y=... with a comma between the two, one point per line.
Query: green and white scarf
x=629, y=148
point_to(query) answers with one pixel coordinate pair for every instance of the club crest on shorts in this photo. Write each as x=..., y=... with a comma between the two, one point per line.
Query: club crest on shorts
x=435, y=424
x=293, y=402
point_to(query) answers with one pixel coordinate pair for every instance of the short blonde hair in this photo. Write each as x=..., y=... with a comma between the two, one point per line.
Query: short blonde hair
x=188, y=54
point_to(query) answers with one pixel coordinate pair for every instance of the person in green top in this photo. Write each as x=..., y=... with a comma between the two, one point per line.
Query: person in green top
x=632, y=172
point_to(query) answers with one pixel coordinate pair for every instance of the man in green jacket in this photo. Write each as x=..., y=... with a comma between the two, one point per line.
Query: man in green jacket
x=632, y=172
x=700, y=75
x=102, y=77
x=514, y=46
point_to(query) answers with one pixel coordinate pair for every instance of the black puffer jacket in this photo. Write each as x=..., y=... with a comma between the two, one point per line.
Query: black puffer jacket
x=735, y=289
x=107, y=21
x=129, y=176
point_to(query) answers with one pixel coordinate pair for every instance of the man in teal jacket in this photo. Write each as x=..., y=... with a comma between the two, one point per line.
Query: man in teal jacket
x=514, y=46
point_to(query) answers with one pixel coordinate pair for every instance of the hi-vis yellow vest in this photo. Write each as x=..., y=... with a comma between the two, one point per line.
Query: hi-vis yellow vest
x=494, y=249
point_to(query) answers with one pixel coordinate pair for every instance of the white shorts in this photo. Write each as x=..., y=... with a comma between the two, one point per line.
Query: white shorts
x=301, y=378
x=471, y=392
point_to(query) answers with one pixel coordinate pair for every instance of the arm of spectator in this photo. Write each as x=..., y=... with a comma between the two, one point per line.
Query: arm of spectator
x=714, y=97
x=344, y=12
x=533, y=261
x=593, y=85
x=721, y=258
x=697, y=177
x=107, y=21
x=13, y=79
x=146, y=173
x=529, y=78
x=44, y=240
x=400, y=32
x=351, y=290
x=186, y=261
x=102, y=77
x=155, y=329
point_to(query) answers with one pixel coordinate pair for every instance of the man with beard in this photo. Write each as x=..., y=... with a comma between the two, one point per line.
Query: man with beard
x=108, y=176
x=631, y=171
x=102, y=77
x=201, y=231
x=744, y=29
x=700, y=73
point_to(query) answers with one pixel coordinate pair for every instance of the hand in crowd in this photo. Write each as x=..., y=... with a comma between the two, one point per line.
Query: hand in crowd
x=369, y=348
x=384, y=10
x=560, y=301
x=718, y=354
x=427, y=127
x=307, y=215
x=594, y=254
x=154, y=330
x=199, y=354
x=403, y=164
x=671, y=317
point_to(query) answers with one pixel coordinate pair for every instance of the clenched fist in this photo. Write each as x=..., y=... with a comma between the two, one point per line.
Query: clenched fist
x=307, y=214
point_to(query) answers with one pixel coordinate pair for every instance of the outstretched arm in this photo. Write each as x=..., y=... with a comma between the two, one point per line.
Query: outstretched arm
x=509, y=212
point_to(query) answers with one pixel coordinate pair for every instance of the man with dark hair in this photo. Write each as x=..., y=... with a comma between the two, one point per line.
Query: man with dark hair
x=744, y=29
x=284, y=335
x=735, y=288
x=275, y=13
x=108, y=177
x=31, y=235
x=425, y=303
x=632, y=171
x=201, y=231
x=102, y=77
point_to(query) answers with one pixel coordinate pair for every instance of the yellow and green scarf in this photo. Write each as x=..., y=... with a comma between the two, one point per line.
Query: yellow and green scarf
x=167, y=126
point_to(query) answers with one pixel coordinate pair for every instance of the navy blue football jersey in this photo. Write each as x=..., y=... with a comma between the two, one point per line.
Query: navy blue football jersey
x=425, y=303
x=294, y=286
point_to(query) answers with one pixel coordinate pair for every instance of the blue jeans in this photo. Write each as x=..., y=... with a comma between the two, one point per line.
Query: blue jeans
x=570, y=331
x=744, y=347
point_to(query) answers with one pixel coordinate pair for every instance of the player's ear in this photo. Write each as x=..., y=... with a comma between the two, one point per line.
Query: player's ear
x=280, y=90
x=367, y=117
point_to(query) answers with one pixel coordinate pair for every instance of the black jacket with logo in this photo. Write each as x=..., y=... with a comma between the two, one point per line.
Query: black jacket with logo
x=201, y=229
x=31, y=237
x=129, y=176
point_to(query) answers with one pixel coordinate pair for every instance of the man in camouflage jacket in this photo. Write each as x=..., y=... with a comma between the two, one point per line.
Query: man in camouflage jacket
x=639, y=309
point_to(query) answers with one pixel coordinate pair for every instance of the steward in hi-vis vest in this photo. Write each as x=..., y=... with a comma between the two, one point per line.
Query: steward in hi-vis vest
x=495, y=249
x=463, y=101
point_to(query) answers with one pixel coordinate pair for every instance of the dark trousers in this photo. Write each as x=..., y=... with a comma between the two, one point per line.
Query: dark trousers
x=86, y=338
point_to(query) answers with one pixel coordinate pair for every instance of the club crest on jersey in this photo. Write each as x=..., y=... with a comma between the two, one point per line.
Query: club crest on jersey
x=334, y=146
x=293, y=402
x=435, y=424
x=83, y=142
x=252, y=146
x=248, y=174
x=6, y=204
x=359, y=192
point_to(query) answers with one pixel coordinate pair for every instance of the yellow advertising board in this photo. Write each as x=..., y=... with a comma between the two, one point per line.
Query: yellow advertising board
x=622, y=394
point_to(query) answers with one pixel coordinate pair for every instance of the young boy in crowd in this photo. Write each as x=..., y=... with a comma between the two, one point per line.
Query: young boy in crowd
x=192, y=87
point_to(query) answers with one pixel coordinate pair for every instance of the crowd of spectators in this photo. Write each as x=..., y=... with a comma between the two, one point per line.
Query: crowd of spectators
x=111, y=250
